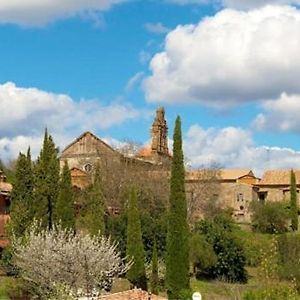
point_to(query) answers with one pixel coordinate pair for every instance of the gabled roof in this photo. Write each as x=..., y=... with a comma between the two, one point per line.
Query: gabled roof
x=76, y=172
x=85, y=134
x=233, y=174
x=278, y=177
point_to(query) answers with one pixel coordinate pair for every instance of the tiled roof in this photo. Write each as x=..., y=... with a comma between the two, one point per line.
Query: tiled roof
x=224, y=174
x=278, y=177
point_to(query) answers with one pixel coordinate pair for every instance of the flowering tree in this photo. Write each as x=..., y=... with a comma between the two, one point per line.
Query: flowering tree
x=83, y=265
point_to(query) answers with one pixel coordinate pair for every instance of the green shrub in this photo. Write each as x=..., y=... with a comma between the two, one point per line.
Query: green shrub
x=278, y=292
x=270, y=217
x=231, y=259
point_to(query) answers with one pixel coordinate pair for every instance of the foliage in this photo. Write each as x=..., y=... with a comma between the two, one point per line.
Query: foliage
x=161, y=272
x=64, y=207
x=56, y=258
x=293, y=202
x=12, y=288
x=254, y=244
x=270, y=217
x=46, y=183
x=273, y=292
x=202, y=255
x=21, y=212
x=154, y=281
x=92, y=212
x=231, y=261
x=177, y=259
x=289, y=253
x=134, y=247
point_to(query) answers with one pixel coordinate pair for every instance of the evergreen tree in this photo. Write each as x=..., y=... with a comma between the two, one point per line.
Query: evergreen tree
x=177, y=260
x=64, y=209
x=46, y=182
x=135, y=248
x=293, y=202
x=21, y=197
x=93, y=211
x=154, y=271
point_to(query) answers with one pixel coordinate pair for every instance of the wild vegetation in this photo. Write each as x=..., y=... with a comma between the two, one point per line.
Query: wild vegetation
x=66, y=244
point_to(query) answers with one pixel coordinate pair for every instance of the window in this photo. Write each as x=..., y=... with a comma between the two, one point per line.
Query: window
x=88, y=168
x=240, y=197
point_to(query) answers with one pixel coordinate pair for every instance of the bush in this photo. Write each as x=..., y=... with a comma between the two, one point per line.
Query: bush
x=202, y=255
x=270, y=217
x=276, y=292
x=231, y=259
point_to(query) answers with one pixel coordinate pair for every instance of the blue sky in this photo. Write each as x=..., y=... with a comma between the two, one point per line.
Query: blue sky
x=229, y=68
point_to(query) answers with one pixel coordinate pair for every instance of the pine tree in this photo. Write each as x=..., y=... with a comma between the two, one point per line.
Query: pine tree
x=293, y=202
x=154, y=271
x=93, y=211
x=46, y=182
x=64, y=212
x=177, y=261
x=135, y=248
x=21, y=197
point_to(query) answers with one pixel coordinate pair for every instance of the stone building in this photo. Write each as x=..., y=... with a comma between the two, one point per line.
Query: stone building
x=275, y=185
x=88, y=150
x=5, y=190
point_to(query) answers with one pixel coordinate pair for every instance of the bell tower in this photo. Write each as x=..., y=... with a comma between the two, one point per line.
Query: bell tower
x=159, y=133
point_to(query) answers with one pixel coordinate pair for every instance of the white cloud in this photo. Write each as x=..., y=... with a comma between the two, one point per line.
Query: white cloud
x=233, y=147
x=231, y=57
x=41, y=12
x=237, y=4
x=157, y=28
x=280, y=115
x=25, y=112
x=249, y=4
x=134, y=80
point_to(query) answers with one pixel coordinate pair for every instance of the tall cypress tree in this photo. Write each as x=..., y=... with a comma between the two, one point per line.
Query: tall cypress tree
x=21, y=197
x=135, y=248
x=154, y=271
x=177, y=260
x=46, y=182
x=293, y=202
x=64, y=212
x=93, y=211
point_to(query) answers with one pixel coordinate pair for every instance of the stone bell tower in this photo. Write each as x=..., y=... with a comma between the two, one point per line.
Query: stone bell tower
x=159, y=133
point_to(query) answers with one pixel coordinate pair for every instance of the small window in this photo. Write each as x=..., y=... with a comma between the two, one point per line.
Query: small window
x=240, y=197
x=88, y=168
x=241, y=207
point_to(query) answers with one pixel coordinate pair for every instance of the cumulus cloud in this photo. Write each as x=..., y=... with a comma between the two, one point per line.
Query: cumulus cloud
x=233, y=147
x=280, y=115
x=39, y=13
x=229, y=58
x=25, y=112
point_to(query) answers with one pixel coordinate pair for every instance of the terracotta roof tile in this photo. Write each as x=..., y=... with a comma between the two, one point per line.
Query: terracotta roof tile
x=278, y=177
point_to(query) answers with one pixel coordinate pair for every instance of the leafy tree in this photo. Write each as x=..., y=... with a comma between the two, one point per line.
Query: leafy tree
x=270, y=217
x=154, y=273
x=64, y=208
x=177, y=260
x=46, y=183
x=293, y=202
x=93, y=207
x=135, y=248
x=231, y=259
x=21, y=197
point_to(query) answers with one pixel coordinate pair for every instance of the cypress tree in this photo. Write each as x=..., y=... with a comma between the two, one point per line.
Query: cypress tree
x=93, y=212
x=135, y=248
x=293, y=202
x=21, y=197
x=177, y=260
x=154, y=271
x=64, y=209
x=46, y=182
